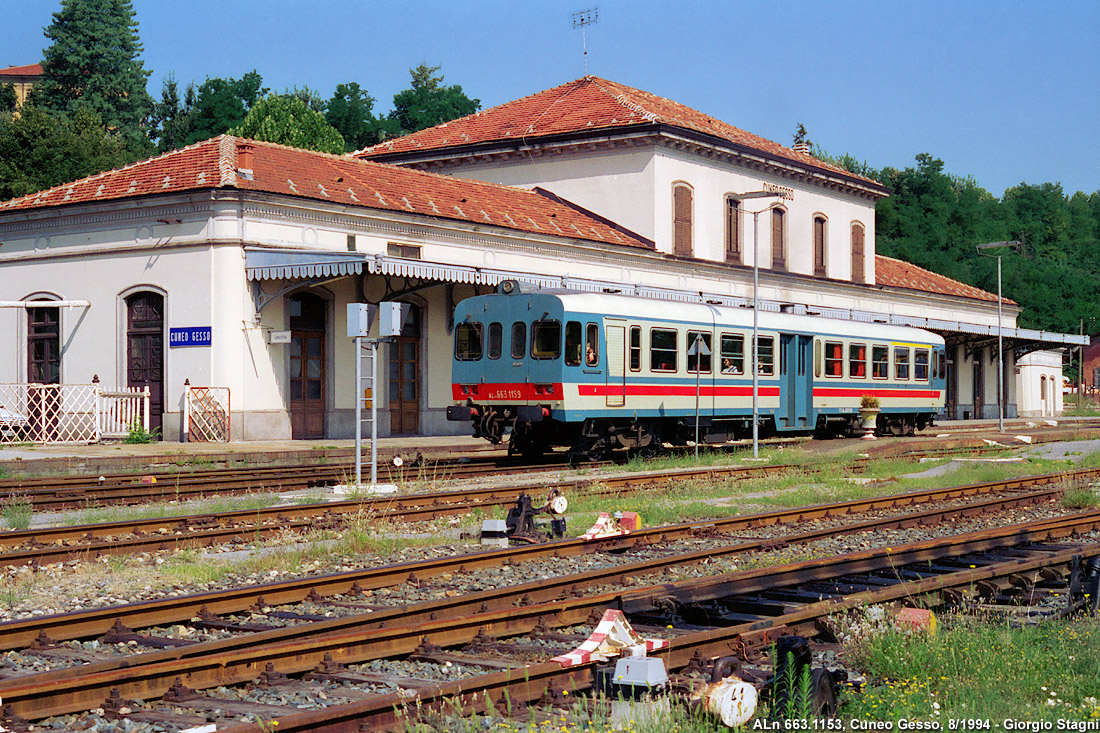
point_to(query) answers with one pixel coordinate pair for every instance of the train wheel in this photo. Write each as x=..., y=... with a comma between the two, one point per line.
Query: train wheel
x=587, y=450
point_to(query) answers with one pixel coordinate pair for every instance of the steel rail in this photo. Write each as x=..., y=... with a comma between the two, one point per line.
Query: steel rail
x=54, y=544
x=14, y=634
x=547, y=681
x=71, y=492
x=81, y=688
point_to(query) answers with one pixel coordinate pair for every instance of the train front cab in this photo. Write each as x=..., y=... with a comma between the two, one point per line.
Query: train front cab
x=507, y=372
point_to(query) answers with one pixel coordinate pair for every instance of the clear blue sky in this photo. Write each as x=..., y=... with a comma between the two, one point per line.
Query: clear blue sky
x=1006, y=91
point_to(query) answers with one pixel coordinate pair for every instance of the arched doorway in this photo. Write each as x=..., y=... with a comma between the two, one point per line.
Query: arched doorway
x=307, y=366
x=145, y=350
x=404, y=381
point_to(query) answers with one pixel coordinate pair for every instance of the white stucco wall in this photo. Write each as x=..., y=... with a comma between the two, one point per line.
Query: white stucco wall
x=1035, y=372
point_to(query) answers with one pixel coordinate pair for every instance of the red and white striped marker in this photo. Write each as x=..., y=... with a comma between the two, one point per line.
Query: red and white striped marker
x=612, y=636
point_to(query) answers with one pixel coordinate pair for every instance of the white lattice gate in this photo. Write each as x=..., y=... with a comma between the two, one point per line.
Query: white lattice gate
x=206, y=417
x=121, y=411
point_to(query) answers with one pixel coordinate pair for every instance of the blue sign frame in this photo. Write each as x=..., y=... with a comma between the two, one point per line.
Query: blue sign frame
x=193, y=336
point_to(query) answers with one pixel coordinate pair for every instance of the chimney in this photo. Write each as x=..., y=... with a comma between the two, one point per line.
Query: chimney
x=244, y=160
x=802, y=147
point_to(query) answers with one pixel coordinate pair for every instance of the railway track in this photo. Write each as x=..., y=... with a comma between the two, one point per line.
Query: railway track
x=58, y=493
x=784, y=599
x=40, y=546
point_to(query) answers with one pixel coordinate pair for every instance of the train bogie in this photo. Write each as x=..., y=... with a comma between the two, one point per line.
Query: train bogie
x=594, y=372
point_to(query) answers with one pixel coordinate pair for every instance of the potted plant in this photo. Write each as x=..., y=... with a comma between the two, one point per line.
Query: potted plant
x=868, y=415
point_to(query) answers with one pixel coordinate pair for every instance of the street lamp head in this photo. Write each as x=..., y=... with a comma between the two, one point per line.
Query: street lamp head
x=1013, y=244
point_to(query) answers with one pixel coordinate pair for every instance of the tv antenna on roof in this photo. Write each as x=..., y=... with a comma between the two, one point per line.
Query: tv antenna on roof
x=580, y=20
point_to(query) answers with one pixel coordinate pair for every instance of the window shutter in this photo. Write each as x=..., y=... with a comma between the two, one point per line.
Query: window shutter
x=819, y=246
x=858, y=275
x=779, y=254
x=681, y=221
x=733, y=231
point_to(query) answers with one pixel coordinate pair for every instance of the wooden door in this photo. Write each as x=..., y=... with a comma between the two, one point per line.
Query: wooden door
x=404, y=387
x=145, y=351
x=307, y=367
x=404, y=377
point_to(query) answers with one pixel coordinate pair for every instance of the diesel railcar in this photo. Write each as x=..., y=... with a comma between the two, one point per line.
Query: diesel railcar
x=593, y=372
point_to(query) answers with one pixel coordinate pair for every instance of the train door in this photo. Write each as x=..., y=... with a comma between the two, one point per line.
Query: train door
x=796, y=382
x=616, y=363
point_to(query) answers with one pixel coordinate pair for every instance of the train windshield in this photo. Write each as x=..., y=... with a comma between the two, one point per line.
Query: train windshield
x=468, y=341
x=546, y=339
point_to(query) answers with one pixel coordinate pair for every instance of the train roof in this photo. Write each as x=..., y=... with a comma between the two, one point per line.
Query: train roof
x=633, y=307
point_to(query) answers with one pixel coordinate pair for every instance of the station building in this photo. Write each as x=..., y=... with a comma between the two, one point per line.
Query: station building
x=230, y=263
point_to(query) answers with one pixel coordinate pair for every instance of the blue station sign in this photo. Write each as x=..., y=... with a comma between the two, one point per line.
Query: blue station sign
x=194, y=336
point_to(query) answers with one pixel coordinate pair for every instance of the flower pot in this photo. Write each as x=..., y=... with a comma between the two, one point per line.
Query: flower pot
x=868, y=419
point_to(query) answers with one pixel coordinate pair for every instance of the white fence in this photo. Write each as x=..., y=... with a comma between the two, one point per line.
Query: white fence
x=69, y=413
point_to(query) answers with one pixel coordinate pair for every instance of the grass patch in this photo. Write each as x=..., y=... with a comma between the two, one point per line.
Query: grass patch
x=1083, y=498
x=17, y=512
x=984, y=670
x=244, y=502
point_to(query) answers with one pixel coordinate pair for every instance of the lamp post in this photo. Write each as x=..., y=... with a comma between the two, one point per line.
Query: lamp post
x=756, y=309
x=1000, y=246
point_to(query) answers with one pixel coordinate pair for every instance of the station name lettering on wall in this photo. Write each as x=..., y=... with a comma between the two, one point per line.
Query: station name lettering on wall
x=785, y=193
x=194, y=336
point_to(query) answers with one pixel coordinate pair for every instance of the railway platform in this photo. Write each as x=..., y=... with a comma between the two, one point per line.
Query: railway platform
x=166, y=456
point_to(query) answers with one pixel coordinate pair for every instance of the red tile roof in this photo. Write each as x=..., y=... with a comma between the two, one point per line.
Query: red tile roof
x=31, y=70
x=586, y=104
x=898, y=274
x=340, y=179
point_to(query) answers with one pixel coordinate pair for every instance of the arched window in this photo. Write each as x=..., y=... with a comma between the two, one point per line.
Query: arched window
x=819, y=246
x=858, y=274
x=733, y=230
x=779, y=237
x=681, y=220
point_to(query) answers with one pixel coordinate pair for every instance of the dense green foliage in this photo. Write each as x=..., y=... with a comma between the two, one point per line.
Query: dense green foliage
x=8, y=98
x=288, y=120
x=93, y=62
x=205, y=111
x=39, y=150
x=350, y=112
x=428, y=103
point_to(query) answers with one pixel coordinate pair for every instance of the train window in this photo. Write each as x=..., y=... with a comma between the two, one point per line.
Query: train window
x=733, y=353
x=546, y=339
x=765, y=359
x=703, y=360
x=920, y=365
x=496, y=340
x=834, y=359
x=635, y=348
x=662, y=350
x=519, y=340
x=591, y=344
x=857, y=361
x=880, y=362
x=573, y=343
x=468, y=341
x=941, y=373
x=901, y=362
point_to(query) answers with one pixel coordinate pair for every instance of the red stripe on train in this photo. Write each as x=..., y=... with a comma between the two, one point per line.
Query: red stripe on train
x=858, y=392
x=670, y=390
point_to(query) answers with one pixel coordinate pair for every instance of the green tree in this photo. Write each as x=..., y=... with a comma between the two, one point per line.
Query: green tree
x=39, y=150
x=288, y=120
x=350, y=112
x=93, y=61
x=8, y=99
x=221, y=104
x=171, y=119
x=428, y=103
